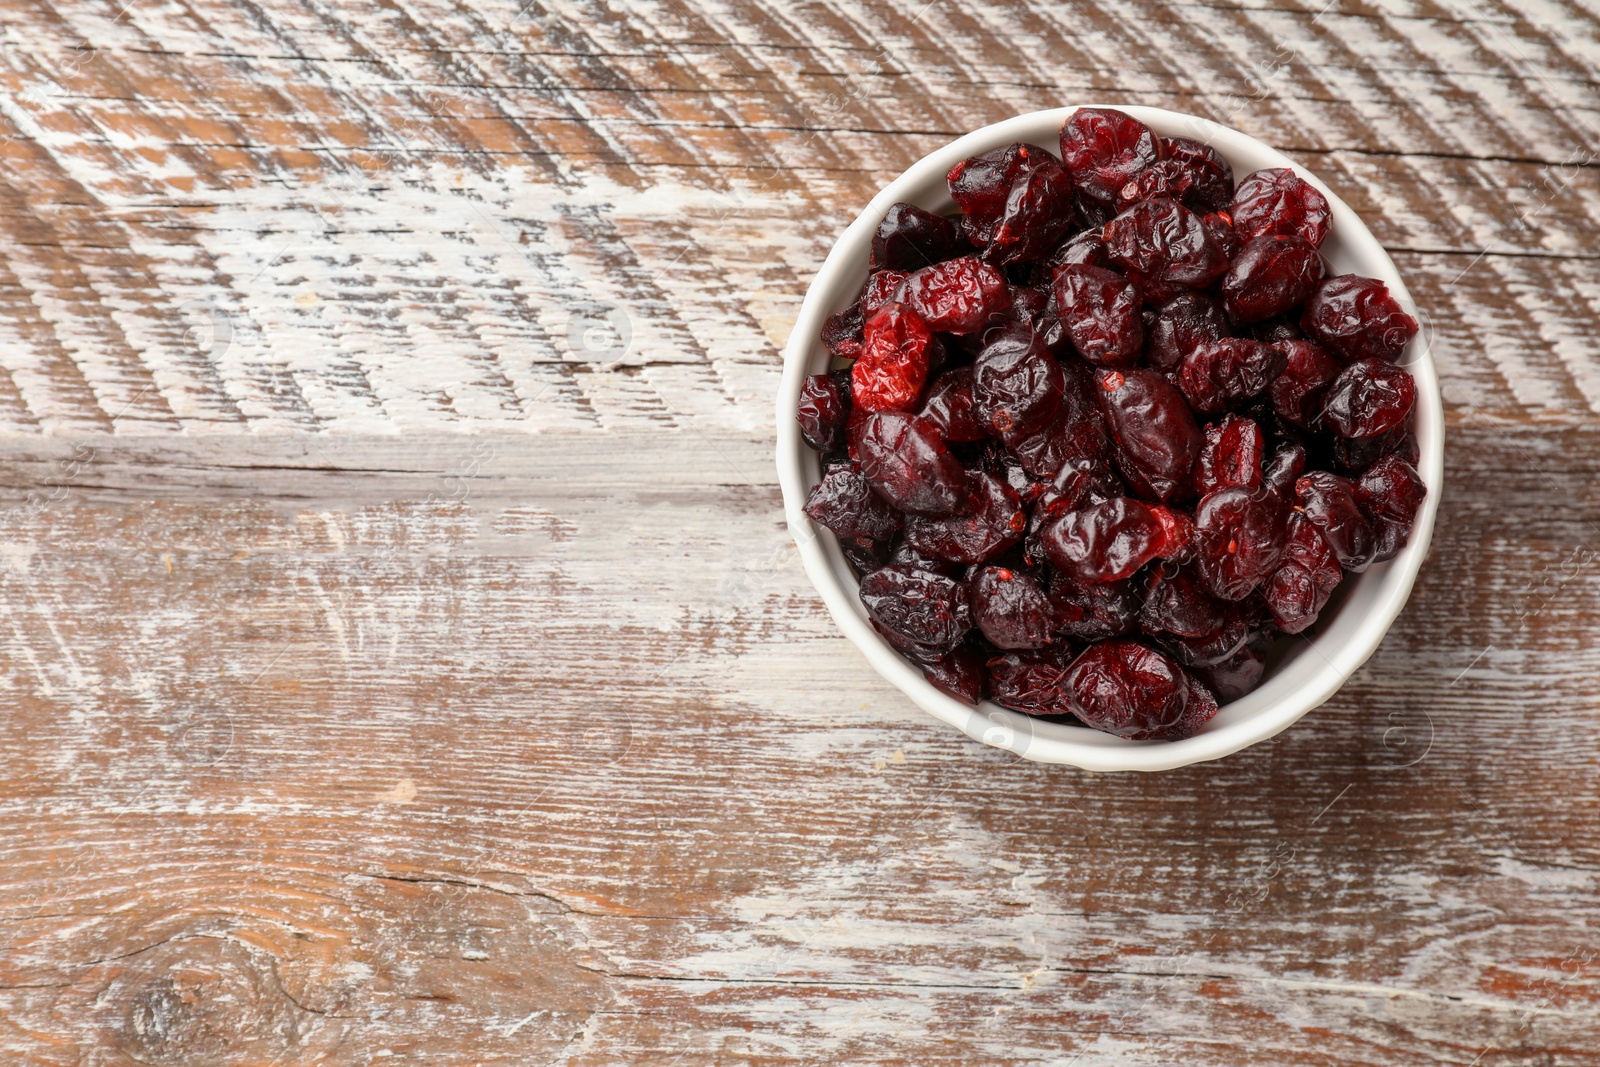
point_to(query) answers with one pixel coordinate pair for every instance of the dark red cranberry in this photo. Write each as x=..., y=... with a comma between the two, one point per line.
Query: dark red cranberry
x=981, y=185
x=1177, y=602
x=949, y=407
x=1016, y=386
x=1219, y=374
x=906, y=461
x=990, y=520
x=846, y=504
x=905, y=554
x=1272, y=274
x=1299, y=589
x=921, y=608
x=1284, y=469
x=822, y=412
x=1010, y=608
x=1208, y=178
x=1297, y=393
x=1230, y=662
x=1163, y=179
x=1108, y=541
x=1032, y=682
x=1182, y=325
x=882, y=287
x=1238, y=539
x=958, y=295
x=1276, y=331
x=1329, y=502
x=1231, y=455
x=1038, y=214
x=1163, y=241
x=1279, y=201
x=889, y=373
x=1154, y=431
x=1390, y=494
x=909, y=238
x=1370, y=397
x=1354, y=455
x=1099, y=310
x=1358, y=318
x=1126, y=689
x=1075, y=432
x=1220, y=227
x=842, y=332
x=865, y=557
x=1105, y=149
x=1094, y=611
x=960, y=673
x=1087, y=249
x=1081, y=482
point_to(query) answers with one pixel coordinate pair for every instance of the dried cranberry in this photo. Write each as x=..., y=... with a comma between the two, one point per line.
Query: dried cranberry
x=1229, y=662
x=865, y=557
x=1176, y=602
x=1208, y=183
x=846, y=504
x=1010, y=608
x=1108, y=541
x=1230, y=455
x=1220, y=227
x=1271, y=275
x=1087, y=249
x=1390, y=494
x=1163, y=241
x=1354, y=455
x=1219, y=374
x=1032, y=682
x=1279, y=201
x=842, y=332
x=1329, y=502
x=880, y=289
x=1154, y=431
x=906, y=461
x=1239, y=539
x=822, y=413
x=1099, y=309
x=909, y=238
x=1297, y=393
x=1038, y=214
x=1094, y=611
x=1298, y=590
x=1370, y=397
x=981, y=185
x=1276, y=331
x=949, y=407
x=1126, y=689
x=958, y=295
x=893, y=364
x=1358, y=318
x=1284, y=469
x=1105, y=149
x=960, y=673
x=1181, y=326
x=1074, y=433
x=921, y=608
x=990, y=520
x=1016, y=386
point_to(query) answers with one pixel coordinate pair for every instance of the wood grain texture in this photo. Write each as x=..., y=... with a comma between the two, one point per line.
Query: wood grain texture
x=404, y=659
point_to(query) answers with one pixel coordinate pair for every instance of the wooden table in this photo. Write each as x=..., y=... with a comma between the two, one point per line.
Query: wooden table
x=406, y=661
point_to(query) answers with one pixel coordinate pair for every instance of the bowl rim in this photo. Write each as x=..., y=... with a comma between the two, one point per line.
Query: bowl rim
x=1021, y=734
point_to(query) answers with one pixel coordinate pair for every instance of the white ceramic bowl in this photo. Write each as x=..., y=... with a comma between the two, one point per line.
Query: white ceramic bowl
x=1301, y=673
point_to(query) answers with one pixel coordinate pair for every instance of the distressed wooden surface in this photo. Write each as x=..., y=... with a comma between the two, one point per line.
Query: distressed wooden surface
x=405, y=660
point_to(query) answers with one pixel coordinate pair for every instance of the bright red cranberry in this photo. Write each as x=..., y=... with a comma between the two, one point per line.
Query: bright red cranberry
x=1299, y=589
x=822, y=412
x=1370, y=397
x=949, y=407
x=1390, y=494
x=909, y=238
x=1182, y=325
x=1038, y=214
x=1218, y=375
x=1105, y=149
x=958, y=295
x=1016, y=386
x=1010, y=608
x=926, y=610
x=1097, y=610
x=1108, y=541
x=1358, y=318
x=960, y=673
x=1329, y=502
x=1231, y=455
x=842, y=332
x=1279, y=201
x=1163, y=241
x=1099, y=309
x=1207, y=178
x=1032, y=682
x=1156, y=438
x=1271, y=275
x=1297, y=393
x=846, y=504
x=889, y=373
x=906, y=461
x=1176, y=602
x=883, y=286
x=1126, y=689
x=981, y=185
x=1238, y=539
x=1284, y=469
x=990, y=521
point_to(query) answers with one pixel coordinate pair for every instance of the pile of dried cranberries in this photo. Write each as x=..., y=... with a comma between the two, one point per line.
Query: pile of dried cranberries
x=1110, y=429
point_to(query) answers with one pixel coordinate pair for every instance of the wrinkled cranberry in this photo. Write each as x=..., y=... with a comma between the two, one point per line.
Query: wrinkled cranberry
x=909, y=238
x=1299, y=589
x=958, y=295
x=949, y=407
x=1126, y=689
x=893, y=364
x=990, y=520
x=981, y=186
x=842, y=332
x=1163, y=241
x=1016, y=386
x=960, y=673
x=921, y=608
x=1094, y=611
x=1354, y=455
x=1229, y=662
x=1370, y=397
x=1181, y=326
x=1155, y=434
x=1272, y=274
x=1284, y=469
x=846, y=504
x=1220, y=227
x=1219, y=374
x=1177, y=602
x=1208, y=182
x=1279, y=201
x=1038, y=214
x=1087, y=249
x=1108, y=541
x=1238, y=539
x=1230, y=455
x=1010, y=608
x=1032, y=682
x=822, y=412
x=1358, y=318
x=1105, y=149
x=906, y=461
x=1075, y=432
x=1297, y=393
x=864, y=557
x=1099, y=310
x=1329, y=502
x=880, y=289
x=1390, y=494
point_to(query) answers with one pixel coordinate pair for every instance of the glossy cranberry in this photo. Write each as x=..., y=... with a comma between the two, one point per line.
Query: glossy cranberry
x=1299, y=589
x=1329, y=502
x=893, y=364
x=865, y=557
x=1272, y=274
x=1354, y=455
x=1219, y=374
x=1154, y=432
x=1163, y=241
x=1038, y=214
x=1075, y=432
x=1231, y=455
x=1016, y=386
x=1095, y=611
x=990, y=520
x=1279, y=201
x=1165, y=179
x=921, y=608
x=1099, y=310
x=1297, y=393
x=1220, y=227
x=1109, y=541
x=1238, y=539
x=906, y=461
x=1010, y=608
x=1390, y=494
x=960, y=673
x=821, y=413
x=957, y=296
x=1370, y=397
x=981, y=186
x=1358, y=318
x=1207, y=182
x=883, y=286
x=1177, y=602
x=1087, y=249
x=1032, y=682
x=1229, y=663
x=846, y=504
x=842, y=332
x=1284, y=469
x=1127, y=689
x=1105, y=149
x=909, y=238
x=1182, y=325
x=949, y=407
